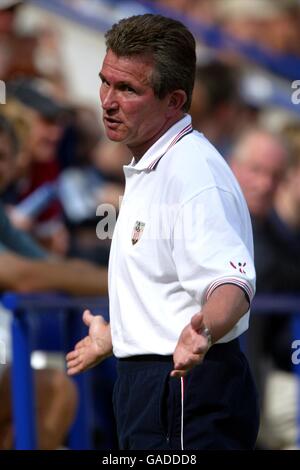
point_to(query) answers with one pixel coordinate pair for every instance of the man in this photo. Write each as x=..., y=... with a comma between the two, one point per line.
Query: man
x=38, y=164
x=258, y=160
x=267, y=172
x=216, y=108
x=24, y=267
x=181, y=273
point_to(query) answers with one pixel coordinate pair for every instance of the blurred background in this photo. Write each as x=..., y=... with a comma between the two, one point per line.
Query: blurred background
x=246, y=101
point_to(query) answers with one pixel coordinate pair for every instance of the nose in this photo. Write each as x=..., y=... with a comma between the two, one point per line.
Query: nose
x=108, y=98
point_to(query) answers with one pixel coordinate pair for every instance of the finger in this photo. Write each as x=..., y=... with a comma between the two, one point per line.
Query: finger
x=102, y=319
x=74, y=354
x=178, y=373
x=87, y=317
x=74, y=363
x=71, y=355
x=197, y=321
x=188, y=363
x=73, y=371
x=185, y=363
x=73, y=360
x=179, y=365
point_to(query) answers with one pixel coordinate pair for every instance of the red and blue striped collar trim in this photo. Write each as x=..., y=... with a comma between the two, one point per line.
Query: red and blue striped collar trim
x=186, y=130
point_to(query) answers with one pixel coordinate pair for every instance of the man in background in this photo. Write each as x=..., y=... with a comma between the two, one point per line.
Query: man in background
x=267, y=172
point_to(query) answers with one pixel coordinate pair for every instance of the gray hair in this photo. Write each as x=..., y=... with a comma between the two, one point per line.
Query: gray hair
x=167, y=41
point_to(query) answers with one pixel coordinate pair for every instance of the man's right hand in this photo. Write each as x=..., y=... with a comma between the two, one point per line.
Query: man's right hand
x=92, y=349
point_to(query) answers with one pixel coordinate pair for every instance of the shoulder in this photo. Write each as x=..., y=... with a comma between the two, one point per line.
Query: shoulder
x=196, y=165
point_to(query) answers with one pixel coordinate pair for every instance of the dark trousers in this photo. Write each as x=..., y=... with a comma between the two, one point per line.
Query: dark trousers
x=214, y=407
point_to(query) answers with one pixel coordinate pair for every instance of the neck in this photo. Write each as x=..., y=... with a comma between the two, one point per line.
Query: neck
x=139, y=150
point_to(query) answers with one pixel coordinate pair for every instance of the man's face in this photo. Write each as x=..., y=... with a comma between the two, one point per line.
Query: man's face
x=7, y=162
x=132, y=114
x=260, y=172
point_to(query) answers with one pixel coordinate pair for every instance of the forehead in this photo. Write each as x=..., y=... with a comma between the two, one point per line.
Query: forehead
x=267, y=152
x=137, y=69
x=270, y=152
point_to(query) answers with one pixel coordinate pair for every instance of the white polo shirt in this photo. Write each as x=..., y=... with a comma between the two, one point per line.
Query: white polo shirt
x=183, y=230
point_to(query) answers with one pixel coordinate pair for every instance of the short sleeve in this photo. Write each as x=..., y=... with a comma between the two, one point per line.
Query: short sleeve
x=213, y=244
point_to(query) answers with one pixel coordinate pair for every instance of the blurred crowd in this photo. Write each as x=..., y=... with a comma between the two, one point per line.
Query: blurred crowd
x=60, y=166
x=273, y=24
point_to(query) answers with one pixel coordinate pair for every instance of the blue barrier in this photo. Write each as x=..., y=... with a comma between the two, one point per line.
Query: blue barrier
x=22, y=385
x=23, y=307
x=22, y=390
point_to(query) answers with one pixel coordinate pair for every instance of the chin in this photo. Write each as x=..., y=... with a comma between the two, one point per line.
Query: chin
x=114, y=136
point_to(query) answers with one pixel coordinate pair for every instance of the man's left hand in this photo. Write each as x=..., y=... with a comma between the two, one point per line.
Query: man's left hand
x=191, y=347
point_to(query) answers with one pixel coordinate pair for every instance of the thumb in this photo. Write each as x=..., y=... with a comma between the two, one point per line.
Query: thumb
x=102, y=320
x=197, y=321
x=87, y=317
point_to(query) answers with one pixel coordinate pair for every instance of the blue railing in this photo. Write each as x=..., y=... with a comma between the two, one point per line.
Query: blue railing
x=70, y=310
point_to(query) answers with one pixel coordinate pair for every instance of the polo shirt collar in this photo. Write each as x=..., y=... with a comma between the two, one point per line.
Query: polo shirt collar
x=150, y=159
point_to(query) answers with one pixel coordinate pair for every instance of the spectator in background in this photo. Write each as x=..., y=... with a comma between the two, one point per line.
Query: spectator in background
x=216, y=108
x=38, y=163
x=25, y=267
x=259, y=160
x=245, y=20
x=203, y=11
x=287, y=199
x=16, y=51
x=73, y=183
x=22, y=274
x=180, y=6
x=90, y=177
x=28, y=54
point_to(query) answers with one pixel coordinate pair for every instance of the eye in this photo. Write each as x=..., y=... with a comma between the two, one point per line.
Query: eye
x=103, y=81
x=127, y=88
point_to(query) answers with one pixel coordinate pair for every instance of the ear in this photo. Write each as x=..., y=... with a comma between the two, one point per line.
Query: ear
x=176, y=101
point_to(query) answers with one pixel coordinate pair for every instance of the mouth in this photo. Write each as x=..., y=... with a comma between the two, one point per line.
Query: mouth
x=111, y=122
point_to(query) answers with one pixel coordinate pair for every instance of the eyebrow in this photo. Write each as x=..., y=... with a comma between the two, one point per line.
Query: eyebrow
x=120, y=83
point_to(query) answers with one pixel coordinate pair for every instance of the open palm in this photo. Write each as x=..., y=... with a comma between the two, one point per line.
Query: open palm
x=92, y=349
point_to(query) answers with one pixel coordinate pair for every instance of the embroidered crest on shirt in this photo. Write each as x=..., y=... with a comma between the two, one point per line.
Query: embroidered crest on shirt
x=137, y=231
x=240, y=266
